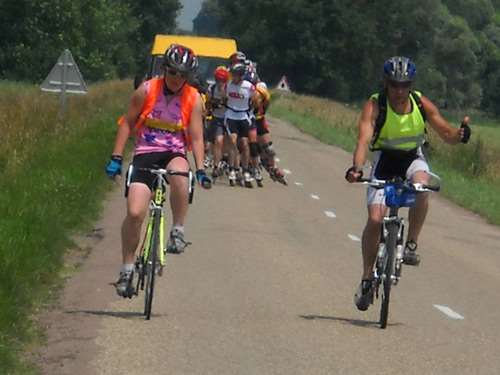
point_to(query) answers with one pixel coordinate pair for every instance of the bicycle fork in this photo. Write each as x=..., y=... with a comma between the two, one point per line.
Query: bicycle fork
x=146, y=245
x=382, y=250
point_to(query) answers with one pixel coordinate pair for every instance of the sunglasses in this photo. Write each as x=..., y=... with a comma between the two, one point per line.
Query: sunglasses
x=399, y=85
x=175, y=73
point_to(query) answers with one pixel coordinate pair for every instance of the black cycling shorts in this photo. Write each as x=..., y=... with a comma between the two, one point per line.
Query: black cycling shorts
x=394, y=163
x=152, y=160
x=240, y=127
x=216, y=128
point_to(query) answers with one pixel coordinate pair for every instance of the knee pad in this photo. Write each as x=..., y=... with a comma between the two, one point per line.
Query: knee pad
x=259, y=148
x=254, y=150
x=269, y=150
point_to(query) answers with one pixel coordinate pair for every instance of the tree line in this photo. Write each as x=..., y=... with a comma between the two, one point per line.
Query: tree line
x=108, y=38
x=337, y=48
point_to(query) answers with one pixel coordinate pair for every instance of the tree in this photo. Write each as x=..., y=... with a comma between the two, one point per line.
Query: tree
x=337, y=48
x=477, y=13
x=153, y=17
x=455, y=54
x=490, y=82
x=108, y=38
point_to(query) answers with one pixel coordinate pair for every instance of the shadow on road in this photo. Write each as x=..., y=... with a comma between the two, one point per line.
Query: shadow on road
x=113, y=314
x=354, y=322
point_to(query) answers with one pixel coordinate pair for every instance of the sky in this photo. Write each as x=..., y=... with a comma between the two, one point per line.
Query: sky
x=189, y=11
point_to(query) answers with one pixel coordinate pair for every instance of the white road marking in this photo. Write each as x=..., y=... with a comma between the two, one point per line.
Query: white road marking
x=330, y=214
x=354, y=238
x=314, y=196
x=277, y=160
x=287, y=171
x=299, y=184
x=449, y=312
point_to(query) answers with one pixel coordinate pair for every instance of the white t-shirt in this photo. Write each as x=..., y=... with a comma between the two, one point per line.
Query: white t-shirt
x=238, y=100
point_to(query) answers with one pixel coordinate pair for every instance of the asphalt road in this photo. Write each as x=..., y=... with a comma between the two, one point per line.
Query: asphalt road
x=267, y=287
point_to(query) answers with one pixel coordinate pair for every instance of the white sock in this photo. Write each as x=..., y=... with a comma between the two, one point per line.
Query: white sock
x=128, y=267
x=179, y=228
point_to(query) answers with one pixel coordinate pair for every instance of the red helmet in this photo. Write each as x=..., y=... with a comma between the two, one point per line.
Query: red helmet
x=221, y=74
x=180, y=58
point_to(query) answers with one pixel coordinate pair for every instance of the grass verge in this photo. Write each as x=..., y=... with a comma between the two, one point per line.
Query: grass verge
x=470, y=173
x=52, y=185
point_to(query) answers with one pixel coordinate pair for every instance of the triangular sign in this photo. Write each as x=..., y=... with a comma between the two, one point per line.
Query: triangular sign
x=65, y=76
x=283, y=84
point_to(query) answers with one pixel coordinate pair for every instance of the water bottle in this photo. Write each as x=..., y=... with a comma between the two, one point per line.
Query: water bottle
x=381, y=250
x=399, y=252
x=380, y=260
x=399, y=262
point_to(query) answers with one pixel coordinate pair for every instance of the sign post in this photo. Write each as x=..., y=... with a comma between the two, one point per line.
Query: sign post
x=64, y=78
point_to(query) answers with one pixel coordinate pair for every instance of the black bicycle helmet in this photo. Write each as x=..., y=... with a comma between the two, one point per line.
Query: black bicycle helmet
x=400, y=69
x=238, y=68
x=180, y=58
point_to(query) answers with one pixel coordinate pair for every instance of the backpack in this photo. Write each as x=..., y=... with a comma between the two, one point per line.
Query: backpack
x=382, y=113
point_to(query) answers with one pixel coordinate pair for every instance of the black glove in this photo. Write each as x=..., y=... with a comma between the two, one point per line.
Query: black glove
x=353, y=169
x=467, y=133
x=203, y=179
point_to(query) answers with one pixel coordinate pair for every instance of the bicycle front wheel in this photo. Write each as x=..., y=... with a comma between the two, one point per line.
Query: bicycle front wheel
x=388, y=272
x=150, y=264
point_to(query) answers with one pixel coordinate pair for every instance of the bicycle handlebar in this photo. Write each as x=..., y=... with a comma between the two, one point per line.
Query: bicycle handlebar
x=161, y=172
x=164, y=172
x=415, y=186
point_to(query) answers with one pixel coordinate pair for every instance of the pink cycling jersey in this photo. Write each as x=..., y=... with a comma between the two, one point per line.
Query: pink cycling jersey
x=157, y=140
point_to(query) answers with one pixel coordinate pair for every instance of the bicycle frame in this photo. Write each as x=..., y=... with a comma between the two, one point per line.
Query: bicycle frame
x=393, y=217
x=389, y=260
x=154, y=239
x=156, y=208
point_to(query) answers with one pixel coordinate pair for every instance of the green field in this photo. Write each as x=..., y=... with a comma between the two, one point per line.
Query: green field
x=53, y=183
x=470, y=173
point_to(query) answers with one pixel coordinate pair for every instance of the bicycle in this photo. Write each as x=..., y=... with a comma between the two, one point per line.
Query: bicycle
x=150, y=261
x=389, y=260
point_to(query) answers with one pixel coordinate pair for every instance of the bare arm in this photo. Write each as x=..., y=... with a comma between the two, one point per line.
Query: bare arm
x=129, y=120
x=366, y=126
x=196, y=134
x=446, y=132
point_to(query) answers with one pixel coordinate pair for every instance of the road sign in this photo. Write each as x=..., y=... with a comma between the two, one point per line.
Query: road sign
x=283, y=84
x=65, y=77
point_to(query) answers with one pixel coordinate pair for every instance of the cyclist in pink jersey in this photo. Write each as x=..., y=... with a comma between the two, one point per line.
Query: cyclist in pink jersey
x=164, y=133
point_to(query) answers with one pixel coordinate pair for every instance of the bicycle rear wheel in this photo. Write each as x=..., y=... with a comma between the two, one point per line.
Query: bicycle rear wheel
x=388, y=272
x=150, y=264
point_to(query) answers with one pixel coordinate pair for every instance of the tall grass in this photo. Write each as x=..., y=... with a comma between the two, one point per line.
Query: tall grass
x=470, y=173
x=52, y=183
